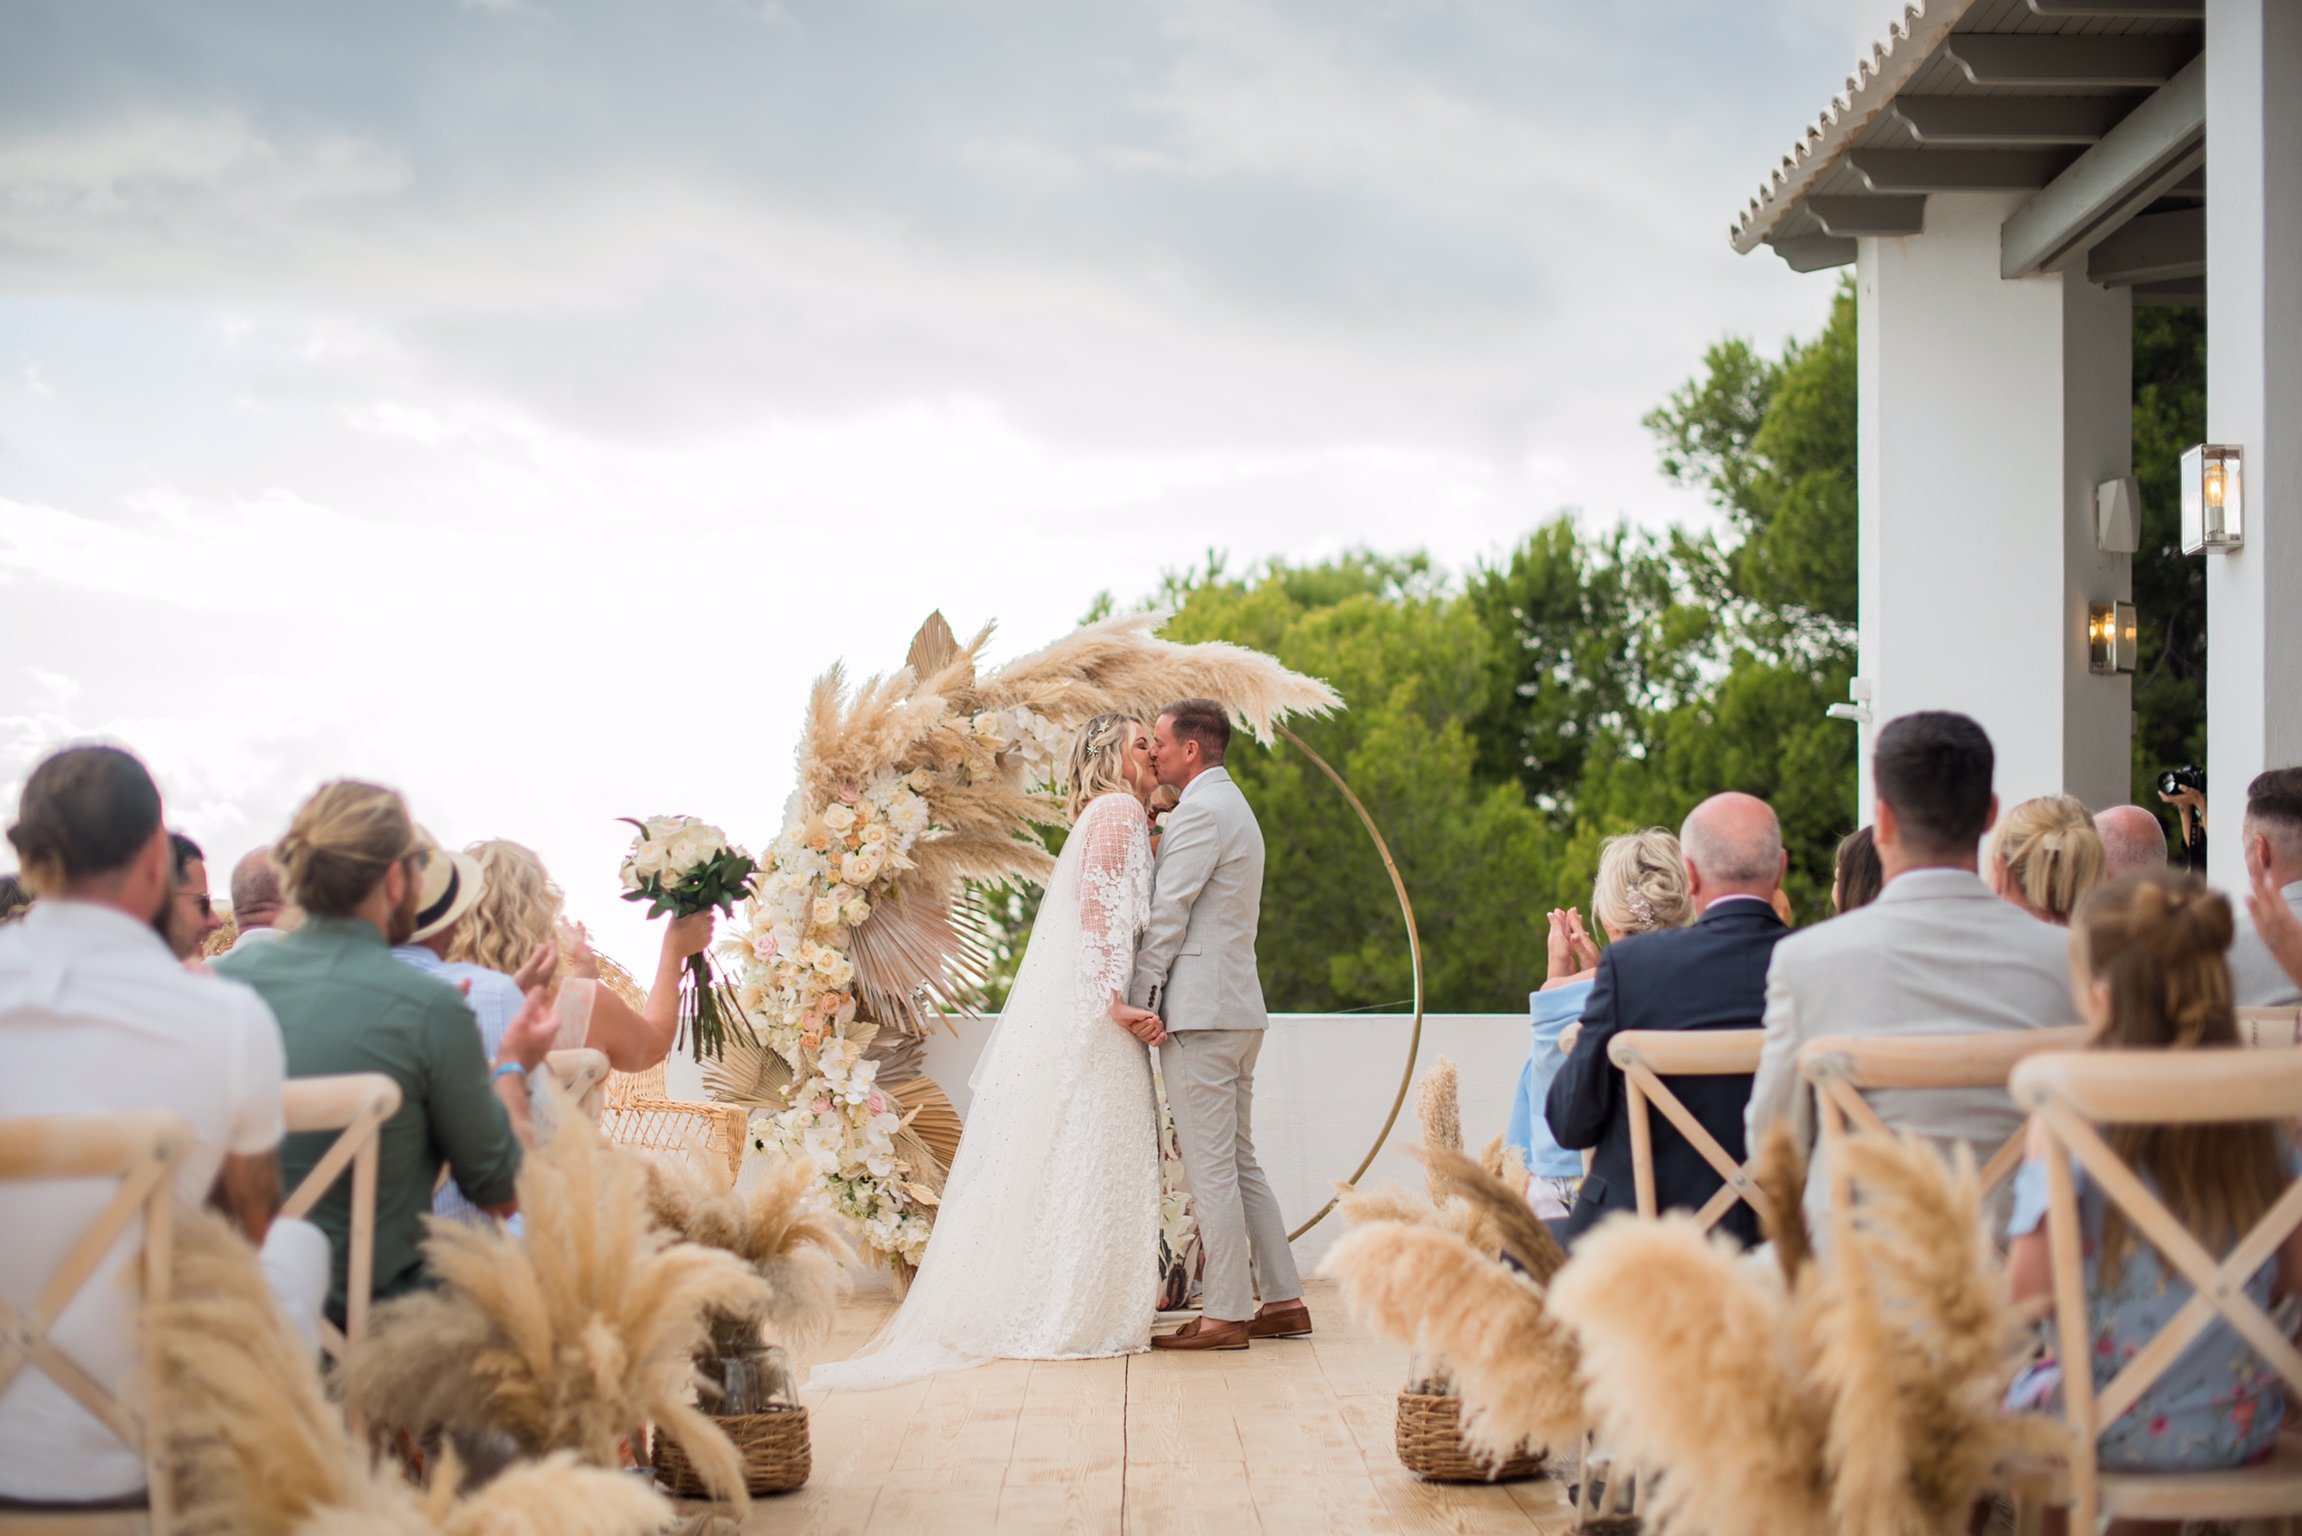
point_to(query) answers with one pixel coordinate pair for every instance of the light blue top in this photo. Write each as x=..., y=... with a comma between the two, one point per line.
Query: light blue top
x=2219, y=1405
x=495, y=1001
x=1549, y=1013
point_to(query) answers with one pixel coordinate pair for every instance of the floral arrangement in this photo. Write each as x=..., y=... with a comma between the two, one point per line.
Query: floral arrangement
x=859, y=933
x=682, y=866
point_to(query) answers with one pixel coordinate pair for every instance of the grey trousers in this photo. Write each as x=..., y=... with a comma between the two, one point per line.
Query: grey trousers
x=1210, y=1077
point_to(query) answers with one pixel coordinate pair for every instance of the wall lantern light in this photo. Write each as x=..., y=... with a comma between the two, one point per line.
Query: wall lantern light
x=2213, y=499
x=2111, y=637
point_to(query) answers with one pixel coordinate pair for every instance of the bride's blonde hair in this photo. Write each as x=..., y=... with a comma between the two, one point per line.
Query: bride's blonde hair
x=1098, y=760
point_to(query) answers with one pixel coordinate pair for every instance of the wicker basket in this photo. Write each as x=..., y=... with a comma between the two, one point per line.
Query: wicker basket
x=774, y=1447
x=1430, y=1442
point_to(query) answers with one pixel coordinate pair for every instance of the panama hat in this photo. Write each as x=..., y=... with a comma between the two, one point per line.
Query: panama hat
x=453, y=883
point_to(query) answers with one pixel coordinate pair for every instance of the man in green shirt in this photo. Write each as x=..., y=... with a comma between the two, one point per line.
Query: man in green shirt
x=353, y=862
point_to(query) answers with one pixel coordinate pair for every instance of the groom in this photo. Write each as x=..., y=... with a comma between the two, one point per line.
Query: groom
x=1196, y=970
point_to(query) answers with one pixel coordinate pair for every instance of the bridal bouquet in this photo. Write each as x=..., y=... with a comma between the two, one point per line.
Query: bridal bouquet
x=682, y=866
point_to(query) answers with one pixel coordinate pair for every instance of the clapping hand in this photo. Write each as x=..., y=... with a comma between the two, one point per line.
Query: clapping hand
x=542, y=962
x=1142, y=1023
x=1571, y=951
x=583, y=960
x=2276, y=924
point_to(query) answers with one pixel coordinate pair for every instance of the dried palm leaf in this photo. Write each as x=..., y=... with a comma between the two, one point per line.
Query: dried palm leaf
x=1681, y=1338
x=922, y=954
x=1522, y=1239
x=932, y=1124
x=747, y=1072
x=1514, y=1366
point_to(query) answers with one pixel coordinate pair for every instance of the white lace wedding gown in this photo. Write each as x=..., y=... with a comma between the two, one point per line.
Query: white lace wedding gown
x=1046, y=1246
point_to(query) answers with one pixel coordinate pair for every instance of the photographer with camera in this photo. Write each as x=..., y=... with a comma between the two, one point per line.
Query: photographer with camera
x=2273, y=834
x=2184, y=788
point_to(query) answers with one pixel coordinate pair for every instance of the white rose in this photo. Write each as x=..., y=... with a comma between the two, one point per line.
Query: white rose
x=856, y=913
x=874, y=835
x=857, y=868
x=838, y=818
x=825, y=912
x=690, y=850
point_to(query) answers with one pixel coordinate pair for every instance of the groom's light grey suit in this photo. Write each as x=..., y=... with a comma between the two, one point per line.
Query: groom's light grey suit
x=1196, y=970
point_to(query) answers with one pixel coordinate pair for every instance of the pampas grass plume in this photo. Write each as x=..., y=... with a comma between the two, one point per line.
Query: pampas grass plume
x=1690, y=1370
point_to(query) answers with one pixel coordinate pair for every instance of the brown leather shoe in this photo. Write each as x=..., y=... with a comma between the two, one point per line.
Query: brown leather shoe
x=1206, y=1333
x=1286, y=1320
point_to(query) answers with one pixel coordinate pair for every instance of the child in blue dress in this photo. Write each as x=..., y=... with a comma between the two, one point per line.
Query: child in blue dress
x=2148, y=968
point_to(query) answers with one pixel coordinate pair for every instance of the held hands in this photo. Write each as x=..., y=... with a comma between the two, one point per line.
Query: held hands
x=1142, y=1023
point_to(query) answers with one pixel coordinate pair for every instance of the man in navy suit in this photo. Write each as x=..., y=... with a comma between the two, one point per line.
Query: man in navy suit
x=1711, y=975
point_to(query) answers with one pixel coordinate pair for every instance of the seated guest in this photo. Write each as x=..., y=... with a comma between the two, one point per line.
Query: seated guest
x=15, y=898
x=191, y=913
x=353, y=861
x=1709, y=976
x=257, y=905
x=2146, y=959
x=2046, y=857
x=2273, y=840
x=1641, y=886
x=99, y=1018
x=451, y=886
x=2133, y=839
x=1855, y=878
x=1935, y=954
x=520, y=908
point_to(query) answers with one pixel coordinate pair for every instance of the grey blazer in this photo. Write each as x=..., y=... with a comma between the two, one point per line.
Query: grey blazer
x=1196, y=965
x=1937, y=953
x=2256, y=979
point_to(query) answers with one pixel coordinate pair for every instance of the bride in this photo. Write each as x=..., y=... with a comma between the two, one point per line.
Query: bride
x=1046, y=1245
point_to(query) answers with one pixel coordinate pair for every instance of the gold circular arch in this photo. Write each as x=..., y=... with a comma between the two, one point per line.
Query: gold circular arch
x=1414, y=957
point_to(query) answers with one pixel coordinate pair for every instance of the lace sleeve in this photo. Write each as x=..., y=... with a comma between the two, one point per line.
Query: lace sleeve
x=1114, y=891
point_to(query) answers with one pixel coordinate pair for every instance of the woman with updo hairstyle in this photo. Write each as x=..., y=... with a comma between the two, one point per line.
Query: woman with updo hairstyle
x=521, y=907
x=1641, y=886
x=1111, y=755
x=2046, y=856
x=2148, y=967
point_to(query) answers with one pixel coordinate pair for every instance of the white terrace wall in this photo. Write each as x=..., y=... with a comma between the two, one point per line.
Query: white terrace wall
x=1322, y=1088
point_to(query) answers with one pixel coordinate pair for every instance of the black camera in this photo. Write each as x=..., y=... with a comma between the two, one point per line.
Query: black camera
x=2175, y=780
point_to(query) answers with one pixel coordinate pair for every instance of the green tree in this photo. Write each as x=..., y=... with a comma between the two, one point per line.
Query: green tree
x=2169, y=586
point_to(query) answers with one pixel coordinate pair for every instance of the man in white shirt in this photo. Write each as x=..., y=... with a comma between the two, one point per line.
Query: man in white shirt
x=97, y=1017
x=1935, y=954
x=2273, y=834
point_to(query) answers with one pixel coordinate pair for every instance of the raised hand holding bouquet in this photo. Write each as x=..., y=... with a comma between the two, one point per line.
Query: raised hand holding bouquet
x=681, y=866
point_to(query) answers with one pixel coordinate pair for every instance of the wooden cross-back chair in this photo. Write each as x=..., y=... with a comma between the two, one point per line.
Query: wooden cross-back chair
x=2070, y=1094
x=355, y=1104
x=1649, y=1056
x=1612, y=1490
x=1842, y=1068
x=140, y=1150
x=2270, y=1027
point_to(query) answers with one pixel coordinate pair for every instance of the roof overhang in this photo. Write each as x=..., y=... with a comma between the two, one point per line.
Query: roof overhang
x=2096, y=108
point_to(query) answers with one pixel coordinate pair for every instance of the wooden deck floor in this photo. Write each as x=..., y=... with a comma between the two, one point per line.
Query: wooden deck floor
x=1290, y=1436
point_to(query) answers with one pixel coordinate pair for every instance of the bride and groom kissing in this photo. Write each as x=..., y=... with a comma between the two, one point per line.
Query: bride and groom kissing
x=1046, y=1243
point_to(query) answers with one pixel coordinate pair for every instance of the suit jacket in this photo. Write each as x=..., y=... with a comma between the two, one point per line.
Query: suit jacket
x=2256, y=979
x=1709, y=976
x=1196, y=965
x=1936, y=953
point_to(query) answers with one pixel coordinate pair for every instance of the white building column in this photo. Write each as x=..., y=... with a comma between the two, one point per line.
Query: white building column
x=2253, y=399
x=1990, y=411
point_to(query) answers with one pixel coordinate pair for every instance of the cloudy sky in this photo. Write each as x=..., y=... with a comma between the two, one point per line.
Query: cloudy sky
x=521, y=401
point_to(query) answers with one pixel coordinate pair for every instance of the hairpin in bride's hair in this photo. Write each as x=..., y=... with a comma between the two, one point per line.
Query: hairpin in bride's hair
x=1642, y=910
